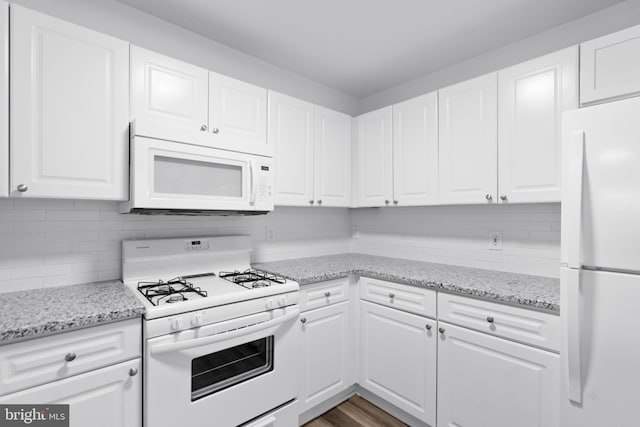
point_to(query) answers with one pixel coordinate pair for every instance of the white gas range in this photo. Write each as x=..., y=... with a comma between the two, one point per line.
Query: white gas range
x=220, y=338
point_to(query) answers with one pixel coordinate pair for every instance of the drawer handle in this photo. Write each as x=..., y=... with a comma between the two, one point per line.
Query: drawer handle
x=490, y=319
x=303, y=320
x=327, y=294
x=391, y=295
x=441, y=330
x=133, y=372
x=70, y=357
x=428, y=327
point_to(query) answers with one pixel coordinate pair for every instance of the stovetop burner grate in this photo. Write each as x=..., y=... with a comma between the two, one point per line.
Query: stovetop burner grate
x=170, y=291
x=251, y=278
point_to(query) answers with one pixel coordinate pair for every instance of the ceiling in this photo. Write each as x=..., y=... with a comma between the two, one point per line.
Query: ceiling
x=361, y=47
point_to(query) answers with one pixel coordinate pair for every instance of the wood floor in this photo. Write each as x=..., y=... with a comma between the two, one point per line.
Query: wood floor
x=355, y=412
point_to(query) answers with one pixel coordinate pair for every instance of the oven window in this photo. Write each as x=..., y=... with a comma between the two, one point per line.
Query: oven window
x=182, y=176
x=226, y=368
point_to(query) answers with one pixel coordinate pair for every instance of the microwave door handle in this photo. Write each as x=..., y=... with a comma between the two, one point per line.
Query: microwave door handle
x=213, y=339
x=574, y=198
x=254, y=185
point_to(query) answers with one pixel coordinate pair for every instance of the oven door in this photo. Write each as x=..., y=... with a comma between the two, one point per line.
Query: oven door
x=222, y=374
x=174, y=175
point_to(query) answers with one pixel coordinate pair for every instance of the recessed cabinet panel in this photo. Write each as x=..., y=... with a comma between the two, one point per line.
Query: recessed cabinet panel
x=415, y=151
x=69, y=110
x=332, y=143
x=166, y=91
x=291, y=135
x=238, y=115
x=375, y=175
x=468, y=141
x=532, y=97
x=487, y=381
x=4, y=99
x=610, y=67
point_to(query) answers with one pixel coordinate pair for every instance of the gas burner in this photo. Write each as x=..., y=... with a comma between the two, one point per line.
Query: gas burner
x=170, y=291
x=251, y=279
x=175, y=298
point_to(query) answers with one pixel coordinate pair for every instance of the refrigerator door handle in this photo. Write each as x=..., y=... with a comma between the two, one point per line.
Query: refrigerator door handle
x=572, y=332
x=574, y=194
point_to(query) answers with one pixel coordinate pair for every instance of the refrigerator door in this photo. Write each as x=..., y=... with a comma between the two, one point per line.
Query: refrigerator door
x=601, y=186
x=609, y=307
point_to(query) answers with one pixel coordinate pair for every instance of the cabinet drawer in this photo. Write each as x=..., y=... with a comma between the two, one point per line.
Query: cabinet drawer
x=43, y=360
x=324, y=293
x=403, y=297
x=518, y=324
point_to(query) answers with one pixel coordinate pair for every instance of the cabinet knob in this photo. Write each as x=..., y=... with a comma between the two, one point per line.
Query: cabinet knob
x=327, y=294
x=503, y=197
x=70, y=357
x=395, y=202
x=215, y=130
x=303, y=320
x=133, y=372
x=441, y=330
x=428, y=327
x=22, y=188
x=391, y=295
x=490, y=319
x=310, y=202
x=489, y=197
x=319, y=202
x=204, y=128
x=386, y=202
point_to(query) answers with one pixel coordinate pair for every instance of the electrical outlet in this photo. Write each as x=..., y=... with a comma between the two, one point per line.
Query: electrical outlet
x=355, y=232
x=495, y=240
x=271, y=233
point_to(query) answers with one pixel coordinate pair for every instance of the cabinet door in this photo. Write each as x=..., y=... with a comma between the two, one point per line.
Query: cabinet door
x=487, y=381
x=531, y=99
x=325, y=354
x=167, y=92
x=238, y=115
x=69, y=110
x=415, y=151
x=332, y=177
x=375, y=161
x=107, y=397
x=291, y=135
x=468, y=141
x=398, y=359
x=4, y=99
x=610, y=67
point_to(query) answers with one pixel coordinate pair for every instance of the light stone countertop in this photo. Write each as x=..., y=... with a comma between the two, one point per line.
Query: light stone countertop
x=39, y=312
x=535, y=292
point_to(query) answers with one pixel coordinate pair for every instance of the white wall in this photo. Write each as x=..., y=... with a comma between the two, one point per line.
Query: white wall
x=459, y=235
x=127, y=23
x=47, y=243
x=607, y=21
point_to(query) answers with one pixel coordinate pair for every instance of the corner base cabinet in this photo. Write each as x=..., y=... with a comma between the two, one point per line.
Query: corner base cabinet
x=488, y=381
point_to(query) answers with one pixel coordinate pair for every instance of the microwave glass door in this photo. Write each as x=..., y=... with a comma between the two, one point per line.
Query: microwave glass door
x=183, y=176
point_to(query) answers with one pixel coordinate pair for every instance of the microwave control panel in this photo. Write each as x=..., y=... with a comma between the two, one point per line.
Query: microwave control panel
x=265, y=183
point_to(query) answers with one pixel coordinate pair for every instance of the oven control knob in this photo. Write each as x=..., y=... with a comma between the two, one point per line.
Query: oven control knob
x=269, y=303
x=177, y=323
x=196, y=320
x=282, y=301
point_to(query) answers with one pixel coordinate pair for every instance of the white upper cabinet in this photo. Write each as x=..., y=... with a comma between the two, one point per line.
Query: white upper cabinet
x=332, y=177
x=69, y=110
x=468, y=141
x=531, y=99
x=415, y=151
x=291, y=135
x=4, y=99
x=375, y=158
x=610, y=67
x=238, y=115
x=165, y=91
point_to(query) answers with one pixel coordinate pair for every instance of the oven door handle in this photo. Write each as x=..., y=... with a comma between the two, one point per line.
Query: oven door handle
x=197, y=342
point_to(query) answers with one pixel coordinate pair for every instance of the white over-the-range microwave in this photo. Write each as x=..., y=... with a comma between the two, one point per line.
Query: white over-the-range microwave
x=181, y=173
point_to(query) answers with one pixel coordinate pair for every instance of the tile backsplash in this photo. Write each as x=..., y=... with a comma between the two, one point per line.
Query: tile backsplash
x=47, y=242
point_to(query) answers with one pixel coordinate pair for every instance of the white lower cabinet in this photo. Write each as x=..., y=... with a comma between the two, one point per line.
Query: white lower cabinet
x=107, y=397
x=484, y=381
x=325, y=354
x=398, y=359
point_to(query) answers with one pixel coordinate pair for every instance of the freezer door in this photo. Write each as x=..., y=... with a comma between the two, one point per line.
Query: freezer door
x=601, y=186
x=609, y=307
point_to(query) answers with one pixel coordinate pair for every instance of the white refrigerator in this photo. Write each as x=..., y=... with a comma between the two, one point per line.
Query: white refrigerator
x=600, y=275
